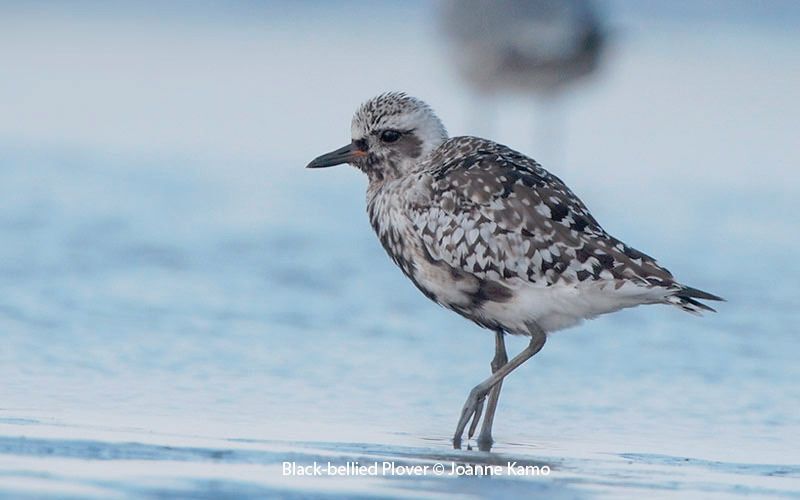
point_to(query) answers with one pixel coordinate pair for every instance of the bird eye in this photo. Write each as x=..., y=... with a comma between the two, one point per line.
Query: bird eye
x=390, y=135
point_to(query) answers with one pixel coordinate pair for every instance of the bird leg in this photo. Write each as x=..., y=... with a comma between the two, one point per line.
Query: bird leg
x=500, y=359
x=474, y=403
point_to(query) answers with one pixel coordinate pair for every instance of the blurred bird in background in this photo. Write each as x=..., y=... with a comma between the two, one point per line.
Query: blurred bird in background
x=531, y=47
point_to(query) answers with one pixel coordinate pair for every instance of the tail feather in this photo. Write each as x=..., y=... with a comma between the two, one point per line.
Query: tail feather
x=687, y=291
x=686, y=296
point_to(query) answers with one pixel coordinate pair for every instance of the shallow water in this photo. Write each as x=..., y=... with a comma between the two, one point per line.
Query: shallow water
x=183, y=322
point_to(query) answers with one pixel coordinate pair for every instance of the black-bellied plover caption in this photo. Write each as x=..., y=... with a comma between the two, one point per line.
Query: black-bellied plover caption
x=487, y=232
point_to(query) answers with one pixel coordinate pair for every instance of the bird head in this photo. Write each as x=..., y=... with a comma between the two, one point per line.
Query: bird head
x=390, y=134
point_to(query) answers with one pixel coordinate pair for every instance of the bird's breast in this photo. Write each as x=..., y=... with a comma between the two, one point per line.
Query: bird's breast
x=393, y=226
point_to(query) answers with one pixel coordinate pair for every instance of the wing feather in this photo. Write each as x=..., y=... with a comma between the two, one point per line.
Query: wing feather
x=499, y=215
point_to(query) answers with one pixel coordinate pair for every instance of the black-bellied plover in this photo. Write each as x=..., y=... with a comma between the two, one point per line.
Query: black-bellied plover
x=487, y=232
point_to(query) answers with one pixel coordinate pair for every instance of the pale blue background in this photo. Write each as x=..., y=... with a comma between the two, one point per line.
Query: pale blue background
x=183, y=306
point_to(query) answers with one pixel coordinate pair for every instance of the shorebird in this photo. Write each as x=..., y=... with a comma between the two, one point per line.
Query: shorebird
x=536, y=48
x=487, y=232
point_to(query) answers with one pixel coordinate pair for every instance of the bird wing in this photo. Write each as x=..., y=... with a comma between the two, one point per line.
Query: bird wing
x=497, y=214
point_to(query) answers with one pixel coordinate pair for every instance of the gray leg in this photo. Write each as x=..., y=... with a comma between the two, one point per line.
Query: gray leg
x=474, y=403
x=500, y=359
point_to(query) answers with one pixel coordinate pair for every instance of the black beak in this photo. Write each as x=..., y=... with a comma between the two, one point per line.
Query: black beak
x=346, y=154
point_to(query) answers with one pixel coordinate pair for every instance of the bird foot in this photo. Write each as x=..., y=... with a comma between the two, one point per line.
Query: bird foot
x=473, y=408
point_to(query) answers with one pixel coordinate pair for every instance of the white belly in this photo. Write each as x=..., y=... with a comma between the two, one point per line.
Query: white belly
x=562, y=306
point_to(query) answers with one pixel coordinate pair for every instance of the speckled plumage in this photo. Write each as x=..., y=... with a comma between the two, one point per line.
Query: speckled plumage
x=481, y=228
x=487, y=232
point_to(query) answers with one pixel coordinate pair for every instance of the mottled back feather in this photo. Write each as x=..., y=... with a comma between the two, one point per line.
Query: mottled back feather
x=499, y=215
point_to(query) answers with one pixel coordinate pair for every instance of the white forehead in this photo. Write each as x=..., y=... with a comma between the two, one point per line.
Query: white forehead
x=395, y=111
